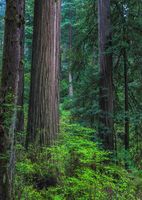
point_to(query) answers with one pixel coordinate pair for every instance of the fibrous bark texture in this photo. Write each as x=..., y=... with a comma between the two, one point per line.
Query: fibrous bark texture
x=44, y=97
x=106, y=81
x=20, y=101
x=9, y=95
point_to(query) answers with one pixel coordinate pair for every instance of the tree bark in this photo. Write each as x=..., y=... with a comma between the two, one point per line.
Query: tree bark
x=106, y=80
x=126, y=101
x=44, y=93
x=70, y=85
x=70, y=49
x=20, y=101
x=125, y=15
x=126, y=120
x=9, y=96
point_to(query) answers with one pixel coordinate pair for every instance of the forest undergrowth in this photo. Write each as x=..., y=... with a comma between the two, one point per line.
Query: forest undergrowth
x=75, y=168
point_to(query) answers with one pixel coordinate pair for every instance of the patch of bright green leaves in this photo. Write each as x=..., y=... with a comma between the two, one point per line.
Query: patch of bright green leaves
x=73, y=169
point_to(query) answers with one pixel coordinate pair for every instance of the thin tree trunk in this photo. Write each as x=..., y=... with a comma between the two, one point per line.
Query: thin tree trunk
x=9, y=93
x=20, y=103
x=126, y=122
x=44, y=94
x=70, y=49
x=106, y=80
x=126, y=101
x=125, y=16
x=70, y=85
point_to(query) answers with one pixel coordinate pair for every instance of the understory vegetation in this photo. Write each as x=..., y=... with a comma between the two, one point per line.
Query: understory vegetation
x=75, y=168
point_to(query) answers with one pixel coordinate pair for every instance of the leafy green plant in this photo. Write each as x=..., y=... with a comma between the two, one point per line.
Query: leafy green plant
x=74, y=168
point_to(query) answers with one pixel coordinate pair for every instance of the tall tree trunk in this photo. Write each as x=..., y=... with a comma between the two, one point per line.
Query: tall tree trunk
x=125, y=15
x=70, y=49
x=126, y=101
x=20, y=101
x=126, y=121
x=9, y=96
x=106, y=80
x=44, y=94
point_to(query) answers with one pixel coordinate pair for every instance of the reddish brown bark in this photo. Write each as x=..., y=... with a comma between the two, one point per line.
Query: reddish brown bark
x=20, y=101
x=106, y=81
x=9, y=93
x=44, y=93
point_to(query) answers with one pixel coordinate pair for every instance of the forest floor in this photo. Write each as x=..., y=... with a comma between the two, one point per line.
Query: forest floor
x=75, y=168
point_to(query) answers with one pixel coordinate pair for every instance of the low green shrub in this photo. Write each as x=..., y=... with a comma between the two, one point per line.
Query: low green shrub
x=73, y=169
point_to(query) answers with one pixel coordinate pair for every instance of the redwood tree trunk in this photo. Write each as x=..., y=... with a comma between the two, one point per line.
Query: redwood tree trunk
x=9, y=93
x=20, y=103
x=44, y=94
x=106, y=81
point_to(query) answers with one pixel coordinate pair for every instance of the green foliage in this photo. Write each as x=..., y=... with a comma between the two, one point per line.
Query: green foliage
x=26, y=168
x=75, y=168
x=29, y=193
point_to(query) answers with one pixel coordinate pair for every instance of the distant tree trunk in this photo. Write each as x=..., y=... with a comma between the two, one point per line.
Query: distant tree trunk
x=126, y=101
x=70, y=49
x=125, y=15
x=106, y=81
x=126, y=121
x=70, y=85
x=44, y=95
x=20, y=101
x=9, y=93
